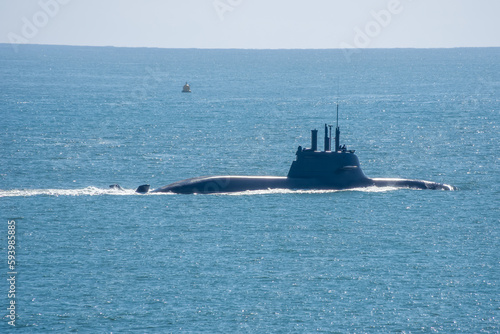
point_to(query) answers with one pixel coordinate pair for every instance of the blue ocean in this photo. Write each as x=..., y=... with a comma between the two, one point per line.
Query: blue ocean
x=91, y=259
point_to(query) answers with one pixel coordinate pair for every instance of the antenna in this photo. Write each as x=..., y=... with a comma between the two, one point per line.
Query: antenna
x=338, y=94
x=337, y=132
x=337, y=113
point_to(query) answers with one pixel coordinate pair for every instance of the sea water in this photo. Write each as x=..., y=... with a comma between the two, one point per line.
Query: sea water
x=90, y=259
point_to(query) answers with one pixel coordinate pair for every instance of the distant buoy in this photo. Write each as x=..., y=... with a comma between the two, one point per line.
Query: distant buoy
x=186, y=88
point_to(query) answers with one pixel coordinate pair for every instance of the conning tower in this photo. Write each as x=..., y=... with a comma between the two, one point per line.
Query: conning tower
x=339, y=166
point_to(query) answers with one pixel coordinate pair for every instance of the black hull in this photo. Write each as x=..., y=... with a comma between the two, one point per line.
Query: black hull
x=335, y=168
x=229, y=184
x=412, y=184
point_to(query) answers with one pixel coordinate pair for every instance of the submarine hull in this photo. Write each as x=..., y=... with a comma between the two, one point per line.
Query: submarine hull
x=225, y=184
x=412, y=184
x=228, y=184
x=332, y=169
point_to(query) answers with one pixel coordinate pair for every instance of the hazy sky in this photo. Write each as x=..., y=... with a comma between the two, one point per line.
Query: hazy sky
x=252, y=23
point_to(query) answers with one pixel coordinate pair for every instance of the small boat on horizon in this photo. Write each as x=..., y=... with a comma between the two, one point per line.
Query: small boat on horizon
x=186, y=88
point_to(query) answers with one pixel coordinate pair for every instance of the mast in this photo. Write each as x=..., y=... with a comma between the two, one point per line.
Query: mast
x=337, y=132
x=337, y=114
x=327, y=139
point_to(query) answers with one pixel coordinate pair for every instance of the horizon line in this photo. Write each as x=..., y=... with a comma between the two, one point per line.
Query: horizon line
x=241, y=48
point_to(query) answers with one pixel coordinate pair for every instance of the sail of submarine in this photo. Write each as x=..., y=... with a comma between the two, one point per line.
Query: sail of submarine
x=335, y=169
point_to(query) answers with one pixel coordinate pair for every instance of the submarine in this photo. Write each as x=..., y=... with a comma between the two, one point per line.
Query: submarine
x=334, y=168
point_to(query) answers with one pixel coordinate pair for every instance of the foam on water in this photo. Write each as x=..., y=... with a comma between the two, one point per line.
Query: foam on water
x=94, y=191
x=88, y=191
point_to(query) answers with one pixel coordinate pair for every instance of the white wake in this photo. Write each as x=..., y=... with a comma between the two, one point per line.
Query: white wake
x=89, y=191
x=94, y=191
